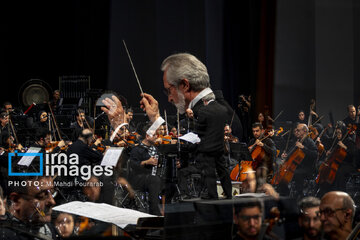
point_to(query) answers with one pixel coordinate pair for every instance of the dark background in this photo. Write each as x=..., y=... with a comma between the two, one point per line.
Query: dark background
x=273, y=50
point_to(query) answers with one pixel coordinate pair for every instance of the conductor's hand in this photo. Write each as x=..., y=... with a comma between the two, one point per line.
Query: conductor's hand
x=114, y=110
x=150, y=106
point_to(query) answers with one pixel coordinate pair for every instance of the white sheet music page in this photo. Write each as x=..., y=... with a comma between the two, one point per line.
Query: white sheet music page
x=112, y=156
x=190, y=137
x=103, y=212
x=27, y=160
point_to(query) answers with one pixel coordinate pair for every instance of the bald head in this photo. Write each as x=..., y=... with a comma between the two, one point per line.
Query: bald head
x=301, y=130
x=342, y=199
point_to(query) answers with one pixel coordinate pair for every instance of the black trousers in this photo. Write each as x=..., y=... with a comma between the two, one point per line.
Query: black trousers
x=152, y=185
x=209, y=163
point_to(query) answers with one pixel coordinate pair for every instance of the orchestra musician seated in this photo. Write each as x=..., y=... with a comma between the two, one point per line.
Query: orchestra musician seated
x=342, y=147
x=305, y=169
x=266, y=144
x=143, y=173
x=82, y=122
x=42, y=140
x=42, y=120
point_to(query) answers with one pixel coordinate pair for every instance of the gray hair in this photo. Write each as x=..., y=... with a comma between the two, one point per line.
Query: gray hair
x=186, y=66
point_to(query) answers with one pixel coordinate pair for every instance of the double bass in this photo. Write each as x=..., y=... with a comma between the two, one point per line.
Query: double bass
x=328, y=169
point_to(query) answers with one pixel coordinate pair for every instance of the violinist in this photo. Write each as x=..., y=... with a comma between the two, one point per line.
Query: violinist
x=265, y=143
x=228, y=137
x=42, y=140
x=308, y=147
x=351, y=119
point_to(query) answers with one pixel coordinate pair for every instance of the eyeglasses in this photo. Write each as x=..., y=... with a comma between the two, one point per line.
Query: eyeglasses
x=247, y=218
x=328, y=212
x=167, y=91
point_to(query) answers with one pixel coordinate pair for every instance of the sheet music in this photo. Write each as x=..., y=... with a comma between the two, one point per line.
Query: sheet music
x=27, y=160
x=103, y=212
x=112, y=156
x=190, y=137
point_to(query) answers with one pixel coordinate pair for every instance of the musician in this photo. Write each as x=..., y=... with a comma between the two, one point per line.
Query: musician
x=42, y=120
x=85, y=149
x=8, y=107
x=129, y=119
x=309, y=219
x=351, y=119
x=42, y=140
x=82, y=122
x=30, y=207
x=56, y=101
x=347, y=166
x=266, y=143
x=233, y=118
x=228, y=137
x=301, y=117
x=337, y=211
x=4, y=127
x=306, y=167
x=143, y=164
x=261, y=119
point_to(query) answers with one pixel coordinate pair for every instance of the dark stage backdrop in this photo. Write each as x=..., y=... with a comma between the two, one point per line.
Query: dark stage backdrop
x=222, y=34
x=47, y=39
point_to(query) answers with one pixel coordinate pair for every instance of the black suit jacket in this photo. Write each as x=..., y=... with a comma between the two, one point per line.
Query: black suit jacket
x=209, y=125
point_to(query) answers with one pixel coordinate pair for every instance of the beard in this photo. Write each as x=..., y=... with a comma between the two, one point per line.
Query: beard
x=181, y=103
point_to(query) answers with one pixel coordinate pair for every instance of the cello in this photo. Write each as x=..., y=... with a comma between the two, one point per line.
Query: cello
x=328, y=169
x=287, y=169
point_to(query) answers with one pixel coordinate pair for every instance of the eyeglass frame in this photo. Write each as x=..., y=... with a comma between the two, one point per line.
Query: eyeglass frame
x=333, y=211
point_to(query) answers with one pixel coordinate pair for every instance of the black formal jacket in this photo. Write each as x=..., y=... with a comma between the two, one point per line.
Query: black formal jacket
x=210, y=123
